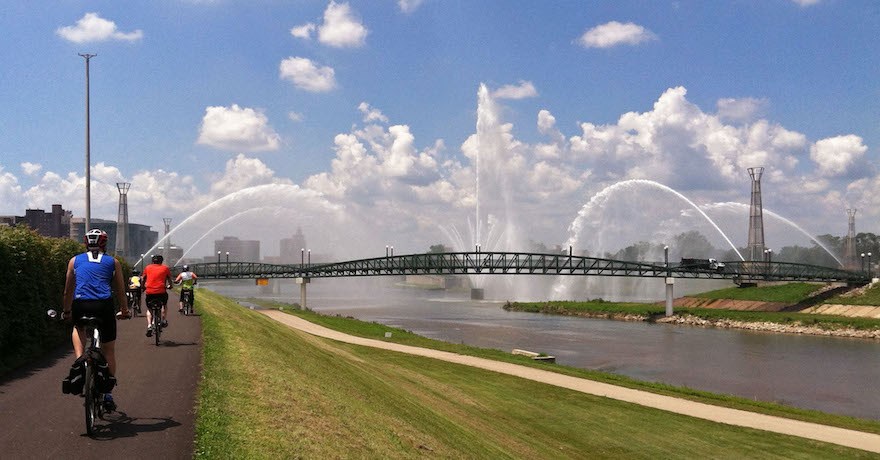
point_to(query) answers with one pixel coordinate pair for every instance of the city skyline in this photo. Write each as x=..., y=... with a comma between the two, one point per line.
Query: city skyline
x=355, y=110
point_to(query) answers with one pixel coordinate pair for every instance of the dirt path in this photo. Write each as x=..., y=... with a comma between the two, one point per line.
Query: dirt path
x=155, y=398
x=844, y=437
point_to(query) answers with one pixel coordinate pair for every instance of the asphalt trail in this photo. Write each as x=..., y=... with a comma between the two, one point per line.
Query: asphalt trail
x=155, y=398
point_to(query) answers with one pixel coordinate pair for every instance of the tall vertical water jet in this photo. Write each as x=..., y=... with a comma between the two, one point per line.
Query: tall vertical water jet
x=494, y=224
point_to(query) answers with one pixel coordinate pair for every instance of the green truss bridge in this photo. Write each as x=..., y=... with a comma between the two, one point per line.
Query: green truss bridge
x=519, y=263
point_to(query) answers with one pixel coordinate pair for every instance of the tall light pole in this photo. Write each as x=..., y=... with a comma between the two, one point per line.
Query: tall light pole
x=869, y=266
x=88, y=148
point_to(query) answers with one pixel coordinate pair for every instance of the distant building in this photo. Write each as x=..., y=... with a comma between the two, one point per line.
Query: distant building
x=141, y=237
x=172, y=256
x=238, y=250
x=54, y=224
x=292, y=248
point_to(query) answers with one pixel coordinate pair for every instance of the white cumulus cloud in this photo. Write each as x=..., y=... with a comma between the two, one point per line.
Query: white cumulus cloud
x=304, y=31
x=615, y=33
x=238, y=129
x=523, y=90
x=371, y=114
x=745, y=109
x=307, y=75
x=341, y=29
x=93, y=28
x=835, y=156
x=408, y=6
x=31, y=168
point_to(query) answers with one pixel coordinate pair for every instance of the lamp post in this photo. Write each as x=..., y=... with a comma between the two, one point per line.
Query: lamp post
x=309, y=260
x=218, y=258
x=769, y=256
x=670, y=282
x=302, y=252
x=869, y=266
x=386, y=250
x=88, y=57
x=392, y=251
x=863, y=262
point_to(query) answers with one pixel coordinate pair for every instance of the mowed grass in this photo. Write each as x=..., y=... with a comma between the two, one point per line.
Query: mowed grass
x=786, y=293
x=272, y=392
x=871, y=296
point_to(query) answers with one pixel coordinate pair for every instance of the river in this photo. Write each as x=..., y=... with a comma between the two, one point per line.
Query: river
x=834, y=375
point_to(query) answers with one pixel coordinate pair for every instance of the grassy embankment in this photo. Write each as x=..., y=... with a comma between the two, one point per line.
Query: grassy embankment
x=272, y=392
x=788, y=293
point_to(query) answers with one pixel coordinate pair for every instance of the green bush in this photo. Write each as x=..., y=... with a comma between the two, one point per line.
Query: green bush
x=32, y=269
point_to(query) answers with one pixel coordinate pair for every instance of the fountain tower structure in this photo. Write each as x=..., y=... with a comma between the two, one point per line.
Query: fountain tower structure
x=122, y=241
x=756, y=218
x=849, y=245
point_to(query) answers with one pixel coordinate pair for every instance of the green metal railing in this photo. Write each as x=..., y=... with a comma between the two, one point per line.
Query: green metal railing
x=516, y=263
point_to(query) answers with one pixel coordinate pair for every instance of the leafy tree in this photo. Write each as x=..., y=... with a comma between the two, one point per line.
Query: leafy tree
x=437, y=248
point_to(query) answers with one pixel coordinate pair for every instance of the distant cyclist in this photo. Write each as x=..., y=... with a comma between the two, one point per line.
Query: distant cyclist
x=134, y=286
x=186, y=279
x=93, y=280
x=156, y=281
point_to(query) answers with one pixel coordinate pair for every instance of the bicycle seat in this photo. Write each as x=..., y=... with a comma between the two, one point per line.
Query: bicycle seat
x=89, y=321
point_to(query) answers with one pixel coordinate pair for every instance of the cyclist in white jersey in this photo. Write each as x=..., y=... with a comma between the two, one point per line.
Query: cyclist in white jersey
x=187, y=280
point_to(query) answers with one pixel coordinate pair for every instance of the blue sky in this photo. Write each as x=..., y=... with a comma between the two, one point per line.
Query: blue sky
x=370, y=111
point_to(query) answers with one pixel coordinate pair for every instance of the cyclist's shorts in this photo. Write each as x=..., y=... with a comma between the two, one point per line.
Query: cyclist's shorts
x=103, y=309
x=163, y=297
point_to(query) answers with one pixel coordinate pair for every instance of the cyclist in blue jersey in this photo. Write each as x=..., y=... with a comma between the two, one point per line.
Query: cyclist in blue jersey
x=93, y=280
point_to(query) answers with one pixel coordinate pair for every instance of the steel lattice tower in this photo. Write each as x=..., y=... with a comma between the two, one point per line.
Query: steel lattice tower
x=122, y=241
x=849, y=245
x=756, y=217
x=166, y=245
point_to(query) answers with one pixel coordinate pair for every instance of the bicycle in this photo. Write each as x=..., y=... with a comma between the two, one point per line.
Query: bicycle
x=94, y=396
x=155, y=306
x=134, y=305
x=186, y=297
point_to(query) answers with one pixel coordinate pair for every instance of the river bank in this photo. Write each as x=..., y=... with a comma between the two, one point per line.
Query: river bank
x=814, y=325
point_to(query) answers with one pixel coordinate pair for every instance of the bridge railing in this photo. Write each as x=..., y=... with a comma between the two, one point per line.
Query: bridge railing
x=492, y=263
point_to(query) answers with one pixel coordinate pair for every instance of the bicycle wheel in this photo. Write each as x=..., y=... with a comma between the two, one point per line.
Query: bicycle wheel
x=157, y=324
x=90, y=399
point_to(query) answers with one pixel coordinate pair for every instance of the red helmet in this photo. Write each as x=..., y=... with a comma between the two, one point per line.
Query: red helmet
x=96, y=239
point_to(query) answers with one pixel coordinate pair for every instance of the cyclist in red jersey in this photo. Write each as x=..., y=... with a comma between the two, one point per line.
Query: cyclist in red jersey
x=156, y=281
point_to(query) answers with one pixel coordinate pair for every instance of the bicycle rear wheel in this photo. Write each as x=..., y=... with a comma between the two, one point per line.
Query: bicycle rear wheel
x=157, y=324
x=91, y=403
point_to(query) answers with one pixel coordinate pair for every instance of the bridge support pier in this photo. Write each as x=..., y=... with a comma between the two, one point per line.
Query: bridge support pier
x=302, y=291
x=670, y=281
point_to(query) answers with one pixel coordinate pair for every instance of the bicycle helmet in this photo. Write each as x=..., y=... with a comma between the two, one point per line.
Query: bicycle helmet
x=96, y=239
x=157, y=258
x=186, y=268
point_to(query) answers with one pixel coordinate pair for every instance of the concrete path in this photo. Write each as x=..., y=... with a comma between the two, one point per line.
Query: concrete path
x=850, y=438
x=155, y=398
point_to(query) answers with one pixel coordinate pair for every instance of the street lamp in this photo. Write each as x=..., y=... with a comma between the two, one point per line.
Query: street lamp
x=392, y=251
x=769, y=259
x=869, y=266
x=310, y=257
x=386, y=250
x=218, y=258
x=666, y=256
x=227, y=257
x=302, y=252
x=863, y=262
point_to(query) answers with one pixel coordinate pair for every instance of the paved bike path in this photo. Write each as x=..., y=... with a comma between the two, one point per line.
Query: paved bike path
x=155, y=398
x=850, y=438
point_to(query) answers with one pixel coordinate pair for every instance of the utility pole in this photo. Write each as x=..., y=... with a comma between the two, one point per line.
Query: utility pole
x=88, y=149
